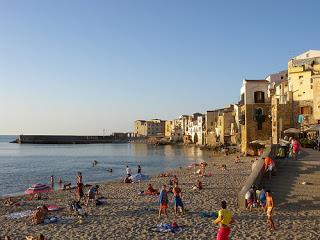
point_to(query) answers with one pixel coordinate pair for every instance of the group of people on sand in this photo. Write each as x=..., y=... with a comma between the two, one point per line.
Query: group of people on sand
x=260, y=197
x=164, y=200
x=128, y=178
x=255, y=197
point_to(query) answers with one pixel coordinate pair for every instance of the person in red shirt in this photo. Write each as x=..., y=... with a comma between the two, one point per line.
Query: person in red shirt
x=269, y=165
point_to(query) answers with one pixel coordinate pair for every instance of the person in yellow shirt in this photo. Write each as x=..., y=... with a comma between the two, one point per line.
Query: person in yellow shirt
x=224, y=220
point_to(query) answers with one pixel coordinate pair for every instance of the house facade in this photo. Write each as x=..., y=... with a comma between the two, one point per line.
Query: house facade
x=255, y=112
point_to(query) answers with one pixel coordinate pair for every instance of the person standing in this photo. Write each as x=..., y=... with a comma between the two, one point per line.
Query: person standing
x=295, y=149
x=269, y=166
x=224, y=219
x=163, y=201
x=79, y=191
x=52, y=181
x=139, y=169
x=177, y=198
x=270, y=207
x=92, y=194
x=79, y=177
x=262, y=199
x=250, y=198
x=128, y=170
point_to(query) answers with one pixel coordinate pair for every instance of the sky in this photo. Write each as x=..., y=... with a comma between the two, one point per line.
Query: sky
x=78, y=67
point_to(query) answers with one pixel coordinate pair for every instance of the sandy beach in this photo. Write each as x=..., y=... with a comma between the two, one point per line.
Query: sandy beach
x=128, y=215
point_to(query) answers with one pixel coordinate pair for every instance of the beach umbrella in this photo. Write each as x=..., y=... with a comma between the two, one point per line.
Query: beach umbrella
x=38, y=189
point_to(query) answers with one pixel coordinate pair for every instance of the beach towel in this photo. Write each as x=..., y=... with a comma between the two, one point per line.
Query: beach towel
x=101, y=201
x=208, y=215
x=166, y=228
x=18, y=215
x=52, y=208
x=50, y=220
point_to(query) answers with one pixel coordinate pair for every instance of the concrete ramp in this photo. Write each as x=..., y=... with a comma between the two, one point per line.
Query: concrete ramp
x=296, y=184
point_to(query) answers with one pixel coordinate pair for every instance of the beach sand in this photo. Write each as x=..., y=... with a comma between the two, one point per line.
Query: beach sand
x=130, y=216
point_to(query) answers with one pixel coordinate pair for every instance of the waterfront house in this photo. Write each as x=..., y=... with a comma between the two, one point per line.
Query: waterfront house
x=255, y=112
x=150, y=128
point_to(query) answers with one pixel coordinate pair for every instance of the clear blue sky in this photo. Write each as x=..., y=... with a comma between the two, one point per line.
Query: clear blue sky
x=76, y=67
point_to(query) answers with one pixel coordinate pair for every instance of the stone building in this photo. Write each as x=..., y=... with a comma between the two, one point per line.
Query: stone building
x=303, y=80
x=140, y=128
x=173, y=130
x=168, y=128
x=211, y=119
x=225, y=123
x=255, y=112
x=150, y=128
x=295, y=102
x=221, y=126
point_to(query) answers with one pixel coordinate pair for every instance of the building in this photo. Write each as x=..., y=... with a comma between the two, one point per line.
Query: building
x=151, y=128
x=295, y=102
x=173, y=130
x=168, y=128
x=184, y=122
x=303, y=80
x=255, y=112
x=140, y=128
x=211, y=119
x=225, y=125
x=196, y=128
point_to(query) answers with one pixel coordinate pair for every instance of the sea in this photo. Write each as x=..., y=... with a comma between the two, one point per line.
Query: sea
x=22, y=165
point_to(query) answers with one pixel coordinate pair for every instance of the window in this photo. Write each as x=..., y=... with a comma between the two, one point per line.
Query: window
x=259, y=97
x=242, y=99
x=281, y=77
x=311, y=80
x=306, y=110
x=311, y=87
x=300, y=77
x=259, y=117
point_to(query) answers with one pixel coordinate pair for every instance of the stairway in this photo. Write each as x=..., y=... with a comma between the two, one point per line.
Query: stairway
x=286, y=186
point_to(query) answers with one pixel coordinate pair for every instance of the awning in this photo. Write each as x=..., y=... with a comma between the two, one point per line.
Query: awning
x=314, y=128
x=292, y=130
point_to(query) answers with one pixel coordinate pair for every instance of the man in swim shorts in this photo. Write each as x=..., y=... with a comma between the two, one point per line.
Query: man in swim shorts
x=177, y=198
x=269, y=208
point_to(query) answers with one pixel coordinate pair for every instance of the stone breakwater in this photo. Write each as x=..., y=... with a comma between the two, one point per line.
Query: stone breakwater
x=65, y=139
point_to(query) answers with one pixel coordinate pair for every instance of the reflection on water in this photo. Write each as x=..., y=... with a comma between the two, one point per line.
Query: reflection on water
x=23, y=165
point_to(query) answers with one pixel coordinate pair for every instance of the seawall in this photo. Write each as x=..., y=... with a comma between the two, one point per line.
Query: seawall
x=65, y=139
x=254, y=178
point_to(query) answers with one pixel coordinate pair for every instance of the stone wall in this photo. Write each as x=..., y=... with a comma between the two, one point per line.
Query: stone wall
x=250, y=131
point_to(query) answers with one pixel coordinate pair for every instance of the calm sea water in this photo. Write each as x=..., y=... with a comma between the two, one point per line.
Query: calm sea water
x=22, y=164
